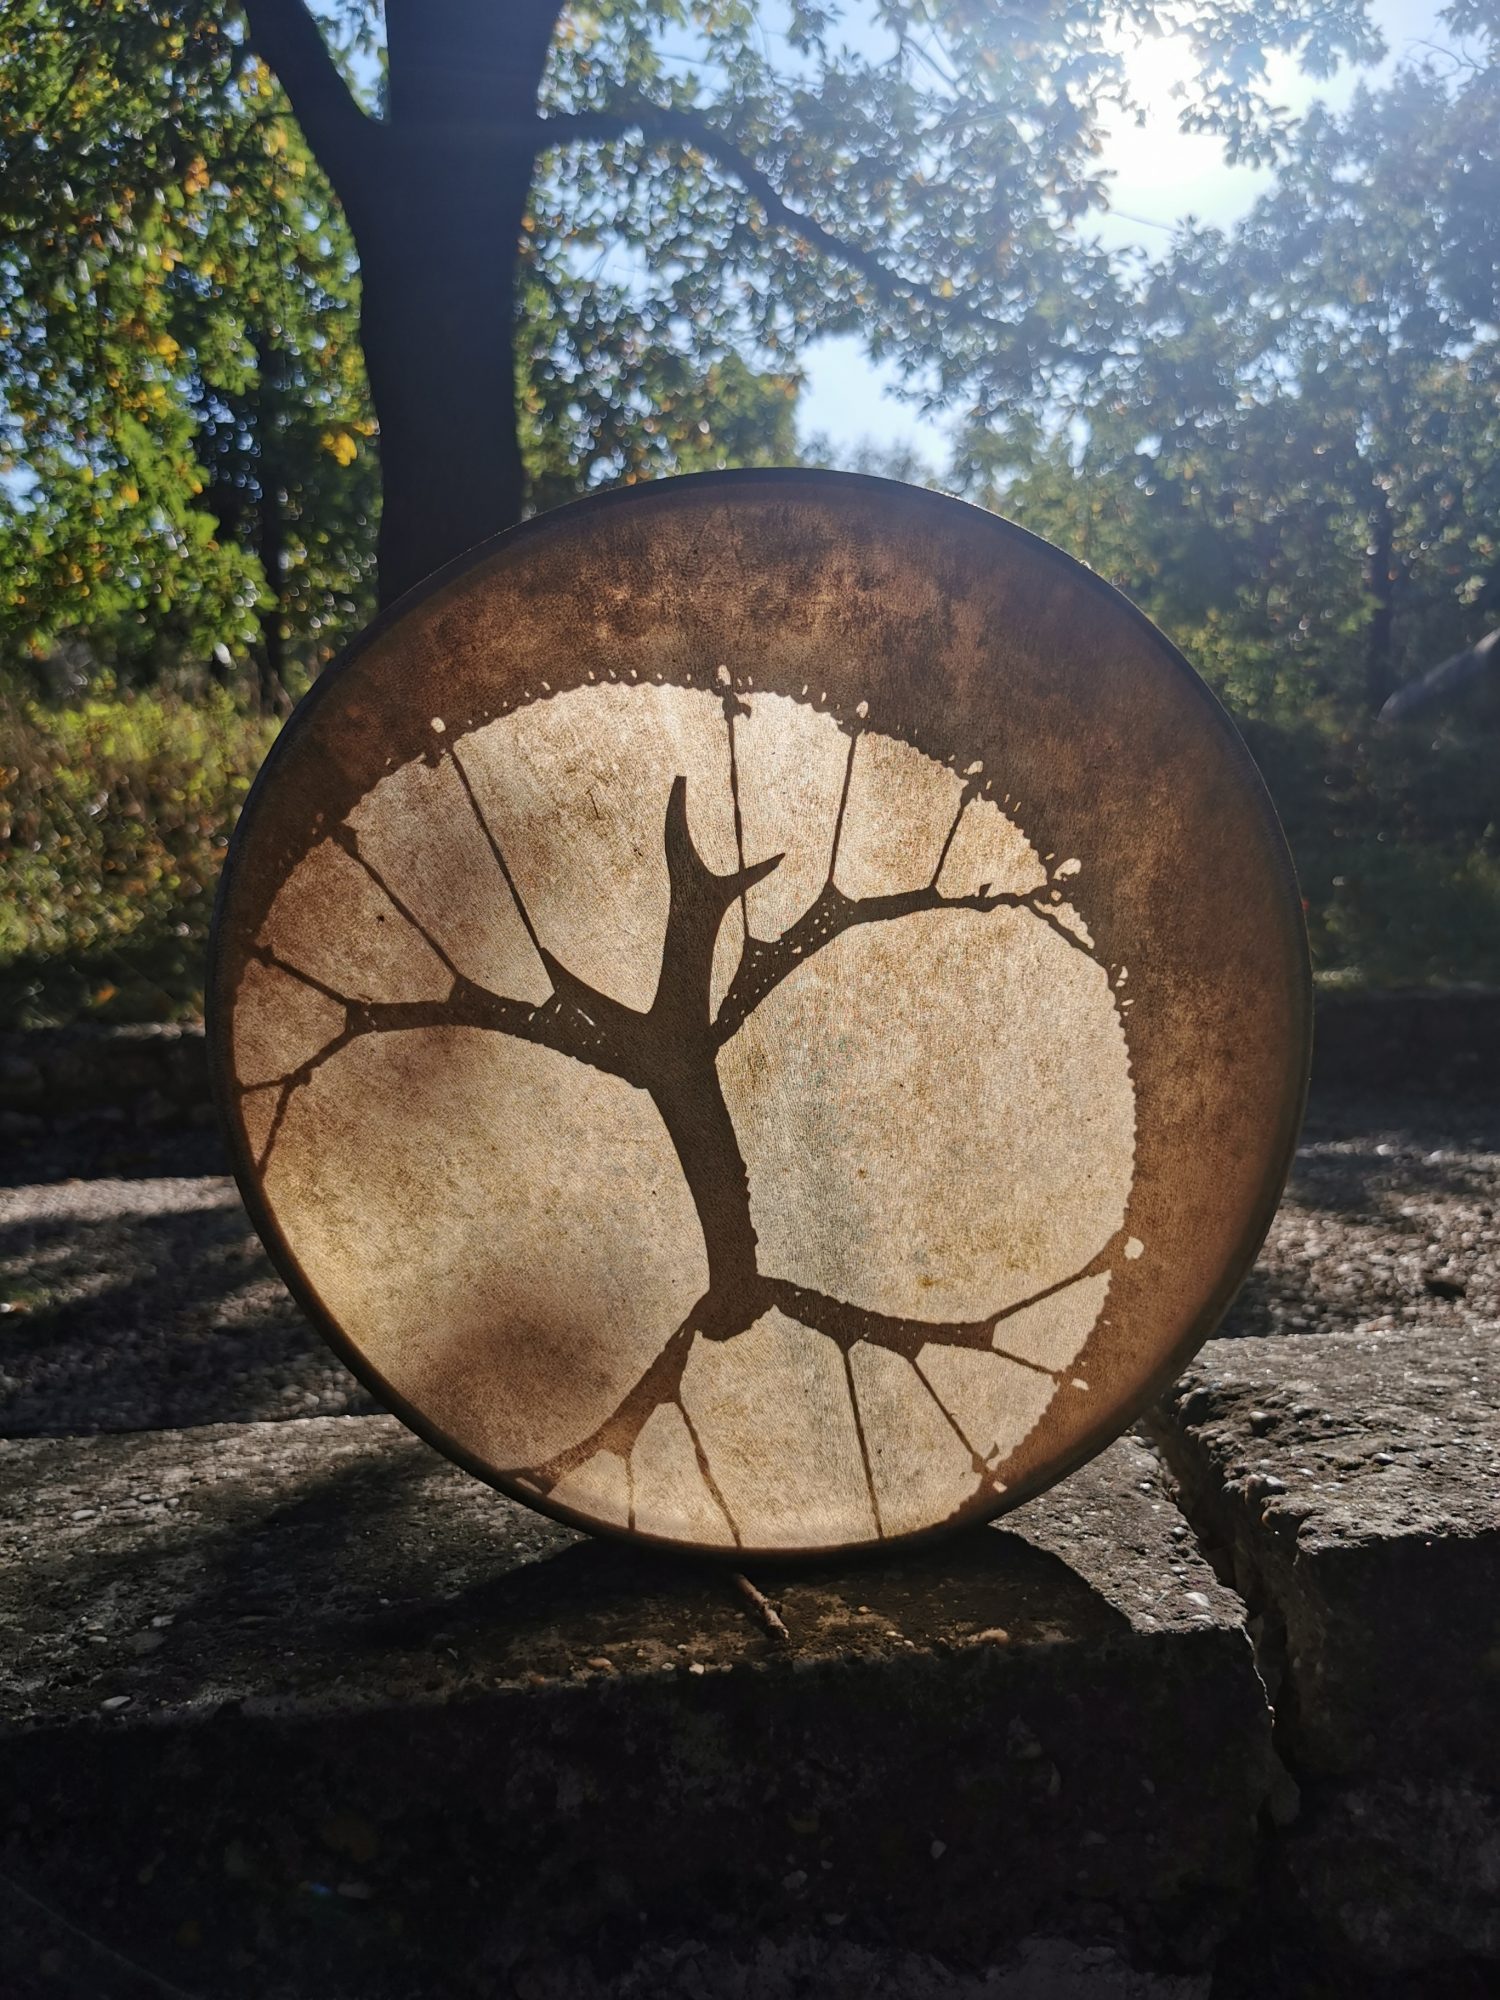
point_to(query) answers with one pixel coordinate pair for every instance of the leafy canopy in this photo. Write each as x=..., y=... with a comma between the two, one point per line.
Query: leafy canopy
x=184, y=425
x=178, y=344
x=1295, y=466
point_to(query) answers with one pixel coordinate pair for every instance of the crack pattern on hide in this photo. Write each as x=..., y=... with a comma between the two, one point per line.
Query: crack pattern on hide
x=669, y=1051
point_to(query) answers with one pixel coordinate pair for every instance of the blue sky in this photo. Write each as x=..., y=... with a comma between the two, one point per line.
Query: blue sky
x=1161, y=176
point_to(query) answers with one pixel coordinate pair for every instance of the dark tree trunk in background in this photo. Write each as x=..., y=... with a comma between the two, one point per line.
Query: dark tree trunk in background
x=438, y=246
x=1380, y=582
x=272, y=689
x=436, y=324
x=273, y=635
x=435, y=194
x=1450, y=681
x=270, y=535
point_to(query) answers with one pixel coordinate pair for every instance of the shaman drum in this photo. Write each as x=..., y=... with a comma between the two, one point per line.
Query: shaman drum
x=767, y=1012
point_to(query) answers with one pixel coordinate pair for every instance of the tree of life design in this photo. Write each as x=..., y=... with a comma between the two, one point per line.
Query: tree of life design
x=707, y=1110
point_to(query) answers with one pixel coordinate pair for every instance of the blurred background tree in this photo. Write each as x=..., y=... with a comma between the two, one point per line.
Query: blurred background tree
x=1294, y=467
x=548, y=209
x=184, y=420
x=1295, y=461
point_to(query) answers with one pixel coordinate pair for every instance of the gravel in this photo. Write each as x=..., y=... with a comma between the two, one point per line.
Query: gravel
x=139, y=1298
x=1390, y=1222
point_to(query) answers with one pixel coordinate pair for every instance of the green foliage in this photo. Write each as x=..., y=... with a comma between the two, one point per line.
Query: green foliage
x=1294, y=464
x=1283, y=441
x=1396, y=837
x=183, y=413
x=629, y=412
x=919, y=175
x=114, y=815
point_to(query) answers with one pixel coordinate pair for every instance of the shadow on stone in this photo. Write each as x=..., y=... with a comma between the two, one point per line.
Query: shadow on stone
x=354, y=1718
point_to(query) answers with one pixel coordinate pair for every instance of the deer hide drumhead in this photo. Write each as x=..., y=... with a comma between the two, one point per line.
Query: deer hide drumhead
x=768, y=1012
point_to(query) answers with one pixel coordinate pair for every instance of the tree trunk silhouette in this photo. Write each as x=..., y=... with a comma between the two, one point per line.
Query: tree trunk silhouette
x=1380, y=584
x=1446, y=682
x=435, y=193
x=270, y=528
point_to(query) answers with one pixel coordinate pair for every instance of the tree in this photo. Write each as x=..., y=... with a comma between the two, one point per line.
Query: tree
x=1296, y=467
x=921, y=182
x=1297, y=473
x=184, y=414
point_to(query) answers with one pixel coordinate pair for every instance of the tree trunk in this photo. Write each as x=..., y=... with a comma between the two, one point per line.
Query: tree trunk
x=435, y=193
x=438, y=225
x=436, y=321
x=270, y=523
x=1380, y=582
x=1445, y=682
x=272, y=690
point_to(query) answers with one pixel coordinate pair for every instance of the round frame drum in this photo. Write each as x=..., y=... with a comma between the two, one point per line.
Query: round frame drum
x=768, y=1012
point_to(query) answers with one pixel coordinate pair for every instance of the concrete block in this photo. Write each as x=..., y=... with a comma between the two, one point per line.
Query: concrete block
x=296, y=1706
x=1350, y=1489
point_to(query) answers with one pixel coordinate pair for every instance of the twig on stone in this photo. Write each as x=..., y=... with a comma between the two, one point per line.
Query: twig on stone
x=762, y=1608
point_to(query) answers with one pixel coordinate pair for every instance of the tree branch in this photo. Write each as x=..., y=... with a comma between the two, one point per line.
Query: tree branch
x=1441, y=683
x=341, y=135
x=559, y=1023
x=847, y=1325
x=669, y=122
x=660, y=1383
x=764, y=964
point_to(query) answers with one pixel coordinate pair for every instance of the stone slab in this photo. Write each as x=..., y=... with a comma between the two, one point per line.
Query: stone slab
x=1350, y=1489
x=296, y=1694
x=1353, y=1485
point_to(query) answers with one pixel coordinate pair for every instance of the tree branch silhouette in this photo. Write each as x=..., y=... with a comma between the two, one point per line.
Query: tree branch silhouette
x=764, y=965
x=668, y=124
